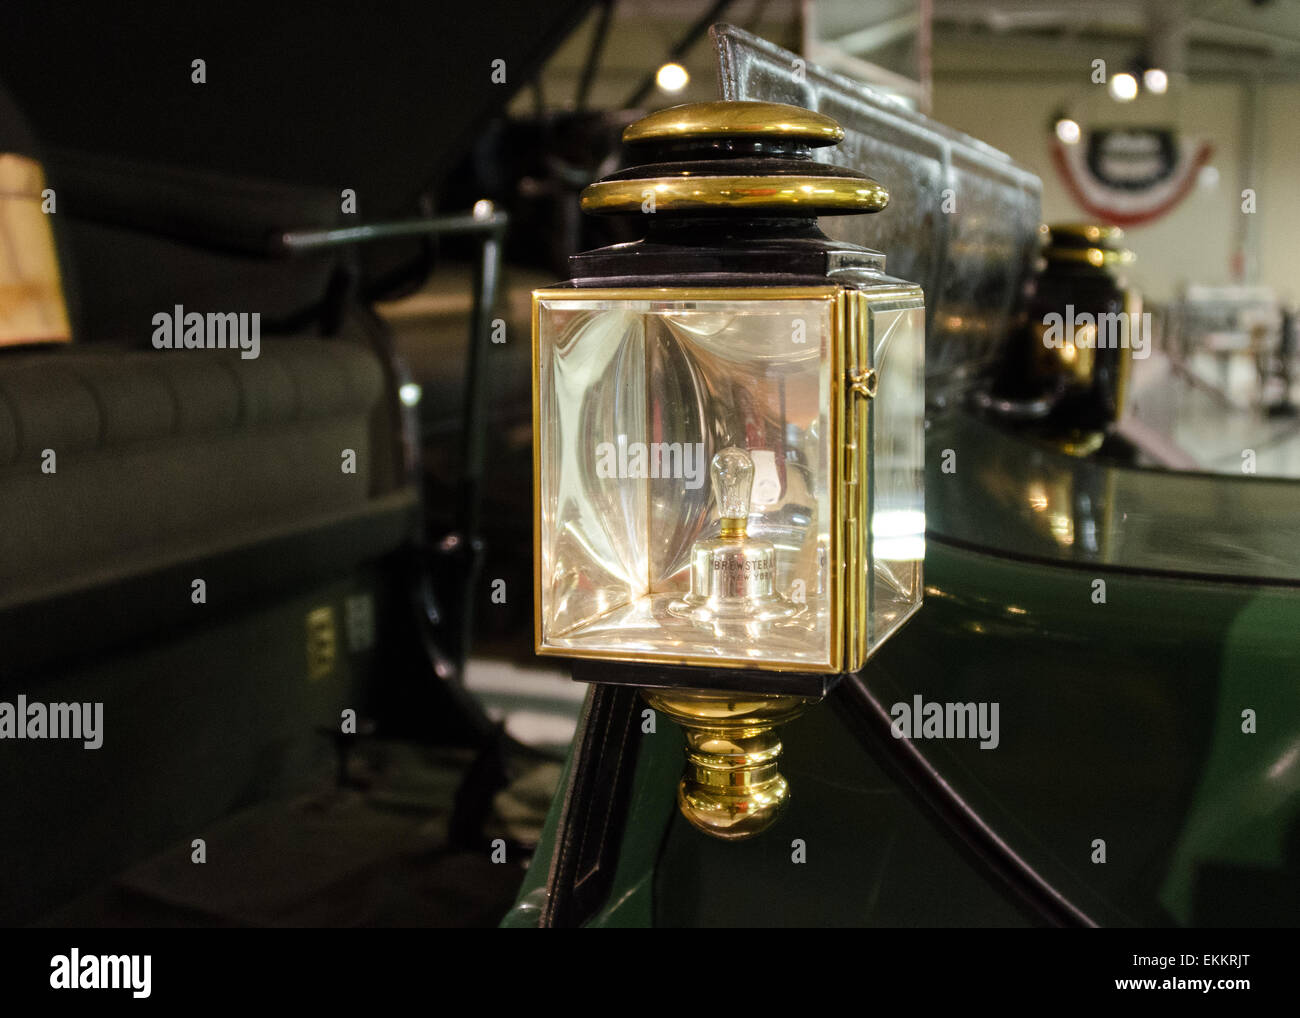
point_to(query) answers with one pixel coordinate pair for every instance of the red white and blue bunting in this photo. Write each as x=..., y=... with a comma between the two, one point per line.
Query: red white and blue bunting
x=1129, y=176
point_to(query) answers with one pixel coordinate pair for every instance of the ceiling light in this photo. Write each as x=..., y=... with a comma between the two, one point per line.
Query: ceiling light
x=1123, y=87
x=1155, y=81
x=1068, y=131
x=672, y=77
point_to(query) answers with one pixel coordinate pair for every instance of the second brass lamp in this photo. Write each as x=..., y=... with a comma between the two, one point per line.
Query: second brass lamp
x=728, y=442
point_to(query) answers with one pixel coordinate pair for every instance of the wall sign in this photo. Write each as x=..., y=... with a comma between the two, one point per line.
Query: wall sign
x=1130, y=175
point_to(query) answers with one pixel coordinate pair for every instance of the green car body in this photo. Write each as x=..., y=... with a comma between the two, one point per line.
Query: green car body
x=1138, y=631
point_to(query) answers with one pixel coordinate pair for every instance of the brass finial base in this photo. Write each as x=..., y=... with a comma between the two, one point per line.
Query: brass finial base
x=731, y=788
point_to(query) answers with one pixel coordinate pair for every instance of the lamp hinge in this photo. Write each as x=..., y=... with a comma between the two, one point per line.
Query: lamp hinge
x=862, y=382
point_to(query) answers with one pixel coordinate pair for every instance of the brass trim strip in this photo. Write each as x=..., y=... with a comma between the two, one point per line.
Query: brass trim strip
x=846, y=489
x=860, y=556
x=671, y=294
x=537, y=480
x=1095, y=256
x=675, y=194
x=839, y=337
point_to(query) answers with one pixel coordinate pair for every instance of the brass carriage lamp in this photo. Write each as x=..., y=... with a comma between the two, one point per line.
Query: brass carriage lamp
x=1083, y=287
x=728, y=443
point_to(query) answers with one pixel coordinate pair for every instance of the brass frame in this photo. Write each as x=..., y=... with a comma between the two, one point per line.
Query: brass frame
x=849, y=366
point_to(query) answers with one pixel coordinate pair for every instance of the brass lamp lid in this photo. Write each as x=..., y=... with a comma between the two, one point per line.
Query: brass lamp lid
x=1082, y=235
x=734, y=158
x=735, y=120
x=1095, y=244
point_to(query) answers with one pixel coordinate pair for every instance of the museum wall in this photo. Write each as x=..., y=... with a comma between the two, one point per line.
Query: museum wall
x=1194, y=242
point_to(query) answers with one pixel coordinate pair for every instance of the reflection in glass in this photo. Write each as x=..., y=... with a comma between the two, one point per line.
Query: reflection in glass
x=635, y=399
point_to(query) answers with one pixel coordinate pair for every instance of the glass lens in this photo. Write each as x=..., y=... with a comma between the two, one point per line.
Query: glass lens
x=636, y=399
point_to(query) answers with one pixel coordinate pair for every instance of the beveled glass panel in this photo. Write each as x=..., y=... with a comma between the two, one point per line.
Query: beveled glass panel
x=635, y=398
x=897, y=468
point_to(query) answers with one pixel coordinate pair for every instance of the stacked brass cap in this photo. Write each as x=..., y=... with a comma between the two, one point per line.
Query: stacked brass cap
x=732, y=788
x=1095, y=244
x=735, y=157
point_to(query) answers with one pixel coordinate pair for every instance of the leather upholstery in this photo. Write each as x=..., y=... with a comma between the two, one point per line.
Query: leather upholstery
x=168, y=449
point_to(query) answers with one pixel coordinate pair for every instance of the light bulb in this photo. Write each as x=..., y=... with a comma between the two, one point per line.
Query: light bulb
x=733, y=478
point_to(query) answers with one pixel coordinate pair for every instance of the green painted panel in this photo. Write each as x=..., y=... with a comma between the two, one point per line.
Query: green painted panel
x=1119, y=720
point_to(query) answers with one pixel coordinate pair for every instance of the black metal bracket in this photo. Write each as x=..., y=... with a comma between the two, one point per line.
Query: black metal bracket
x=731, y=680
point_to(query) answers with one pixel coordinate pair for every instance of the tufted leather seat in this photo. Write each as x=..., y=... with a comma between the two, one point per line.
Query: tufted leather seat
x=172, y=465
x=168, y=452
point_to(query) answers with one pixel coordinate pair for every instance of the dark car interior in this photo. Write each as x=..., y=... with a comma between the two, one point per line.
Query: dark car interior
x=235, y=551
